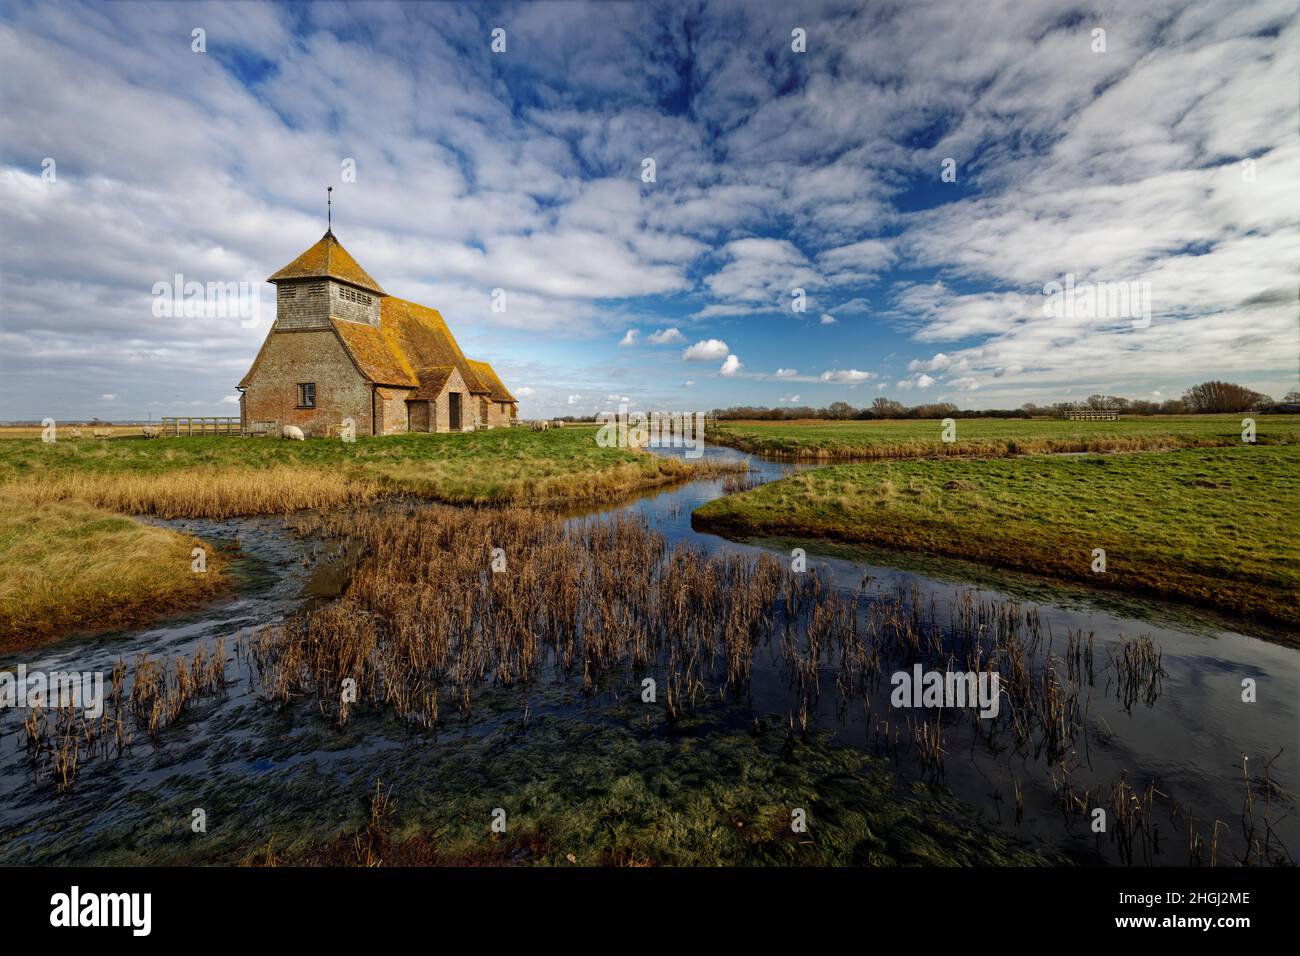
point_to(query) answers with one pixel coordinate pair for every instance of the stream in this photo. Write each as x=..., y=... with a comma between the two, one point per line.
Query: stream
x=1210, y=755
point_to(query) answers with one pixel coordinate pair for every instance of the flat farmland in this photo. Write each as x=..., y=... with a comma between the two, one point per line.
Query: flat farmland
x=994, y=437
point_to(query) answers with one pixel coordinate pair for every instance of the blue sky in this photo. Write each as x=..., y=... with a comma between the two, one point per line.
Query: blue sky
x=1168, y=159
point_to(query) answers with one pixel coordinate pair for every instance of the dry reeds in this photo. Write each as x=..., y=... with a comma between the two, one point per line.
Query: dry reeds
x=204, y=493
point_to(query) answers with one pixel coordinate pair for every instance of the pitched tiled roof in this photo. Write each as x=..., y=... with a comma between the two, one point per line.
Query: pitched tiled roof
x=432, y=382
x=376, y=353
x=488, y=377
x=423, y=337
x=329, y=259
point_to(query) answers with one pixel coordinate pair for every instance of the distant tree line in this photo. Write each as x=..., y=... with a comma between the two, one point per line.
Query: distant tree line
x=1206, y=398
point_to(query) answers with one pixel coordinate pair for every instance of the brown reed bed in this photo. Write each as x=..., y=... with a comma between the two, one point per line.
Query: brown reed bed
x=427, y=627
x=427, y=624
x=61, y=740
x=204, y=492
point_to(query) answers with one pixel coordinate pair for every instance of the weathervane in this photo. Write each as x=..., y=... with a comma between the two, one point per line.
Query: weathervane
x=329, y=212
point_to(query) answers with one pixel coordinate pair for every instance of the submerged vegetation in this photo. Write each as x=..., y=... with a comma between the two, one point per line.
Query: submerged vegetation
x=1217, y=527
x=993, y=437
x=450, y=610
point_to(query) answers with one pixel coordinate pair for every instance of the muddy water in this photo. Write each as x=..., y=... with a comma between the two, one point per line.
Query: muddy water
x=1189, y=743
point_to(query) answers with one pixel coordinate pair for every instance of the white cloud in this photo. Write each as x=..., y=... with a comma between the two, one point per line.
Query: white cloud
x=786, y=372
x=524, y=391
x=230, y=400
x=573, y=399
x=828, y=319
x=707, y=350
x=789, y=399
x=666, y=337
x=108, y=397
x=629, y=338
x=850, y=375
x=731, y=366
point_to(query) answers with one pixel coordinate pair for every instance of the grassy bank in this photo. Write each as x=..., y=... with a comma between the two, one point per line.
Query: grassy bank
x=68, y=566
x=219, y=476
x=993, y=437
x=68, y=563
x=1217, y=527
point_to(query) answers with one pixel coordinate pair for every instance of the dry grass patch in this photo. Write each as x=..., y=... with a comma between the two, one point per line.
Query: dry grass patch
x=205, y=493
x=67, y=566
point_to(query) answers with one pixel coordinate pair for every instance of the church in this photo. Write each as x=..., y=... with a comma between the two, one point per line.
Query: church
x=342, y=348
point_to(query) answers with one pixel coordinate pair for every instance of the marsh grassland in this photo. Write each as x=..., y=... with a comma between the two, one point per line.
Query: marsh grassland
x=1214, y=526
x=58, y=497
x=69, y=566
x=991, y=437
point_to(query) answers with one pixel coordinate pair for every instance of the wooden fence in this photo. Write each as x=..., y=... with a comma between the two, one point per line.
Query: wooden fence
x=1092, y=415
x=200, y=425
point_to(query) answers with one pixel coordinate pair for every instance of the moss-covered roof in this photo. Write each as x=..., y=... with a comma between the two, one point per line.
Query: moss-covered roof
x=376, y=354
x=432, y=382
x=488, y=376
x=422, y=336
x=328, y=259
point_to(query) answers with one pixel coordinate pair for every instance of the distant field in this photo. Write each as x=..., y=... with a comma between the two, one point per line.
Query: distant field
x=867, y=440
x=1216, y=526
x=65, y=431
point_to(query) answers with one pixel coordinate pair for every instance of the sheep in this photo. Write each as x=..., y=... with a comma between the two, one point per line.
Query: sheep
x=292, y=431
x=102, y=432
x=540, y=425
x=151, y=431
x=74, y=432
x=557, y=424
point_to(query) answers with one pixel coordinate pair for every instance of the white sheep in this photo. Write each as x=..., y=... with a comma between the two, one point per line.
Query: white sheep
x=292, y=431
x=151, y=431
x=102, y=432
x=74, y=432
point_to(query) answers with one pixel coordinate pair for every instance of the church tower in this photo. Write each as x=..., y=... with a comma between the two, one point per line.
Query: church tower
x=324, y=282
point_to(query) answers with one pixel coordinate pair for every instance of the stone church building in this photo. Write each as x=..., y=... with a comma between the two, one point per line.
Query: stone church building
x=341, y=347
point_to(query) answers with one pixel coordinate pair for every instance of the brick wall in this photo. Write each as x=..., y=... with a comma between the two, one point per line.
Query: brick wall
x=308, y=356
x=390, y=409
x=498, y=415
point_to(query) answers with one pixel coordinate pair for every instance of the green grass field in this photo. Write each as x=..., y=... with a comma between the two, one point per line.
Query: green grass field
x=1216, y=526
x=869, y=440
